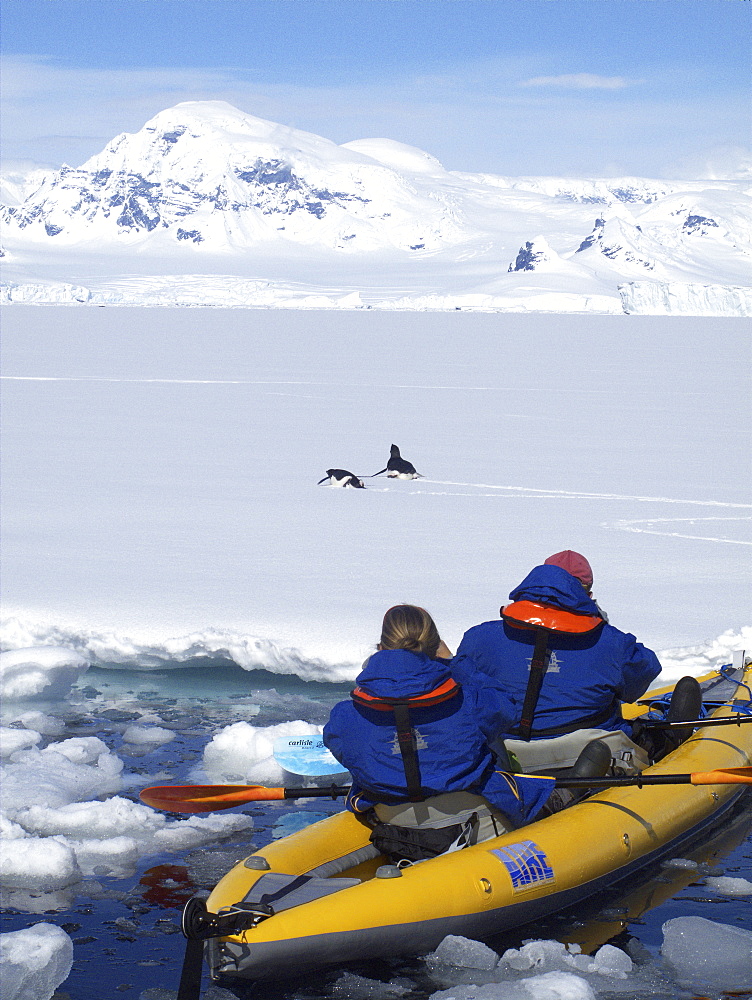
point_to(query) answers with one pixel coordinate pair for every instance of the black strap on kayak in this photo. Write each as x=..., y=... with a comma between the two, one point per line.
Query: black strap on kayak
x=538, y=668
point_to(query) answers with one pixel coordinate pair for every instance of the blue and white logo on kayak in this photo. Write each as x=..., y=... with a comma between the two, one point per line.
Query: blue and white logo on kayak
x=527, y=865
x=306, y=755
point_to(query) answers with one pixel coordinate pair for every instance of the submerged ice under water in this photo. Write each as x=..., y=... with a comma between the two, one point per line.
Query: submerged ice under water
x=109, y=876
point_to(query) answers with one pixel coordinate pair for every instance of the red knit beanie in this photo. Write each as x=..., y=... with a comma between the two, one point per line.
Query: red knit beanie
x=573, y=563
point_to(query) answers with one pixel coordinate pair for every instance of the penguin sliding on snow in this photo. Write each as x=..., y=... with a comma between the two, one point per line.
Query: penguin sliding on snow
x=398, y=467
x=341, y=477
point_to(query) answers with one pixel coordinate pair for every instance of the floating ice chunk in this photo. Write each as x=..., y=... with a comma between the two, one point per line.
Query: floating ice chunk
x=292, y=822
x=47, y=725
x=706, y=954
x=242, y=752
x=464, y=953
x=352, y=987
x=725, y=885
x=681, y=864
x=34, y=962
x=46, y=672
x=210, y=993
x=94, y=820
x=548, y=986
x=611, y=961
x=115, y=857
x=81, y=749
x=12, y=740
x=10, y=830
x=108, y=837
x=556, y=986
x=539, y=955
x=62, y=773
x=199, y=830
x=37, y=901
x=37, y=863
x=153, y=735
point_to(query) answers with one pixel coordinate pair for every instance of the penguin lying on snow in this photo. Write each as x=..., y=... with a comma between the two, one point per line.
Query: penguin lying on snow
x=341, y=477
x=398, y=467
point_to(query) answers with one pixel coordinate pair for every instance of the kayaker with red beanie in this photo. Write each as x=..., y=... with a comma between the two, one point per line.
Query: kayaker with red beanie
x=564, y=666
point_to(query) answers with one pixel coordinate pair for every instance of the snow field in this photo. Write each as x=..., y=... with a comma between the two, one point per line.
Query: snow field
x=201, y=453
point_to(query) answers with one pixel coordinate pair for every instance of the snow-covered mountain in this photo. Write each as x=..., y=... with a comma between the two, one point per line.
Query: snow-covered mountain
x=209, y=205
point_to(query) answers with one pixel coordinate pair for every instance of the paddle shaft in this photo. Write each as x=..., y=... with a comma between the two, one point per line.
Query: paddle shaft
x=211, y=798
x=729, y=720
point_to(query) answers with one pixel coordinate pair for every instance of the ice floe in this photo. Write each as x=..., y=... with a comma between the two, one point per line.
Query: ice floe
x=473, y=971
x=709, y=955
x=244, y=753
x=149, y=735
x=726, y=885
x=63, y=820
x=39, y=672
x=34, y=962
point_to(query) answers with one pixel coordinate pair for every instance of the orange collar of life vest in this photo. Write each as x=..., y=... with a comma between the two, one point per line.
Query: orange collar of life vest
x=529, y=614
x=448, y=689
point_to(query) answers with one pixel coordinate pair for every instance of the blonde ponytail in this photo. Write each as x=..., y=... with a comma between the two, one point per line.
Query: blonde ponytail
x=407, y=626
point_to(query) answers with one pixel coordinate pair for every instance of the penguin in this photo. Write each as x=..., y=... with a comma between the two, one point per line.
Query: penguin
x=398, y=467
x=341, y=477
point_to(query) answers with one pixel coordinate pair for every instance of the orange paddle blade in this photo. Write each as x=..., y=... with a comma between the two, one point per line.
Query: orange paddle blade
x=205, y=798
x=724, y=776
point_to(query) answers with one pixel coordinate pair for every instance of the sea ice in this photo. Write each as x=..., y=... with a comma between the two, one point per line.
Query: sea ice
x=463, y=953
x=706, y=954
x=151, y=735
x=40, y=722
x=12, y=740
x=39, y=672
x=352, y=987
x=548, y=986
x=547, y=955
x=611, y=961
x=34, y=962
x=292, y=822
x=725, y=885
x=107, y=838
x=242, y=752
x=65, y=772
x=37, y=863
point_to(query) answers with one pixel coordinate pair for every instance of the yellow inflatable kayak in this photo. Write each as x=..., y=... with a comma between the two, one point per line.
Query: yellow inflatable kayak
x=318, y=897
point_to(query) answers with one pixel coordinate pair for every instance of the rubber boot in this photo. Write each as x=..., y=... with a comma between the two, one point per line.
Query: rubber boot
x=686, y=703
x=593, y=762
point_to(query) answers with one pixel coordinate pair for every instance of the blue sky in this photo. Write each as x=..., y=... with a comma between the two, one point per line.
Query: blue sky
x=574, y=87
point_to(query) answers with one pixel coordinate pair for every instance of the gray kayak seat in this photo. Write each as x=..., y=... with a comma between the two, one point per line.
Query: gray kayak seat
x=347, y=861
x=282, y=892
x=561, y=752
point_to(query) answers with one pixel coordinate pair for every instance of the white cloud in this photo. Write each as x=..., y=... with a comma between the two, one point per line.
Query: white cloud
x=476, y=120
x=580, y=81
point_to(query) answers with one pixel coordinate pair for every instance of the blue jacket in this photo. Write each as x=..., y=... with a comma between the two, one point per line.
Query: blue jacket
x=451, y=736
x=587, y=674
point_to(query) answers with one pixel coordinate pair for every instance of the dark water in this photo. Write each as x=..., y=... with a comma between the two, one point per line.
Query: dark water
x=126, y=931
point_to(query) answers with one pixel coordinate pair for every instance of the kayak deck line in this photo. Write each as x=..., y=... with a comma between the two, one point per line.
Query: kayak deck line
x=497, y=885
